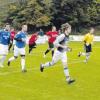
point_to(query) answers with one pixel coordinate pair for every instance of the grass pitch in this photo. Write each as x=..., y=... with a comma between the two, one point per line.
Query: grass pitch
x=51, y=84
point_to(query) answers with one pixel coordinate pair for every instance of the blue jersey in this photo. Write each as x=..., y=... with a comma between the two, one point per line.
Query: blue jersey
x=4, y=37
x=22, y=36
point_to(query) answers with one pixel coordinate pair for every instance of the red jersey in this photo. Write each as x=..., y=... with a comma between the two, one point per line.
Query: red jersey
x=33, y=38
x=52, y=36
x=12, y=35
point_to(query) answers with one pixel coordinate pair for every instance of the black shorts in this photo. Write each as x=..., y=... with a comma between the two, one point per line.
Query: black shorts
x=51, y=45
x=88, y=48
x=32, y=45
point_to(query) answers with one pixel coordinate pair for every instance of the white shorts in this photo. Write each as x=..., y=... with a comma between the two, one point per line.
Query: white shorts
x=3, y=49
x=19, y=51
x=59, y=56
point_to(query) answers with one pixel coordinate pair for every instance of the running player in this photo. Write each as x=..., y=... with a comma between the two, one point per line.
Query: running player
x=19, y=48
x=12, y=35
x=4, y=42
x=51, y=38
x=88, y=40
x=32, y=41
x=60, y=53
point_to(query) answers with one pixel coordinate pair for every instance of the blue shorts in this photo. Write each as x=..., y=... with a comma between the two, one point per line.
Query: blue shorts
x=88, y=48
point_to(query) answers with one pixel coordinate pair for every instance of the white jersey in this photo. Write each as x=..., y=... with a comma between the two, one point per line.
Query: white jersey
x=61, y=40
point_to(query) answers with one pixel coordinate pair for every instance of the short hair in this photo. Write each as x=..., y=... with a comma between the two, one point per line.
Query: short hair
x=65, y=26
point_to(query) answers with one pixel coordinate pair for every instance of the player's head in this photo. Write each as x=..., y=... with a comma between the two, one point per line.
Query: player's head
x=66, y=28
x=7, y=27
x=12, y=29
x=24, y=28
x=92, y=30
x=53, y=28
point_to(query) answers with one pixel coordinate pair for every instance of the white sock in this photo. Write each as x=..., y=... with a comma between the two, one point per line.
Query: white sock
x=2, y=59
x=48, y=64
x=11, y=59
x=87, y=56
x=83, y=54
x=23, y=64
x=66, y=72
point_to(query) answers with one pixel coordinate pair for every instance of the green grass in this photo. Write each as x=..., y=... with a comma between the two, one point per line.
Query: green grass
x=51, y=84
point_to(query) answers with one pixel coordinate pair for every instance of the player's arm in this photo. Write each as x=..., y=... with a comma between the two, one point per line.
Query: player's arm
x=85, y=39
x=48, y=35
x=17, y=38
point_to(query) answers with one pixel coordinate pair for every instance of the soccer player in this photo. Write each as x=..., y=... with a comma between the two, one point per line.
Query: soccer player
x=51, y=38
x=60, y=53
x=4, y=42
x=88, y=39
x=32, y=41
x=12, y=35
x=19, y=48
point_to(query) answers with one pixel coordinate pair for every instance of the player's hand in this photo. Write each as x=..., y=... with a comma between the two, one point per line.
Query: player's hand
x=69, y=49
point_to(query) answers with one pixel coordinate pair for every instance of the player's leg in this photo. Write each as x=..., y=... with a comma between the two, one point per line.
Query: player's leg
x=23, y=63
x=3, y=53
x=16, y=53
x=82, y=53
x=2, y=59
x=52, y=49
x=88, y=50
x=22, y=53
x=66, y=70
x=48, y=50
x=56, y=57
x=31, y=47
x=10, y=45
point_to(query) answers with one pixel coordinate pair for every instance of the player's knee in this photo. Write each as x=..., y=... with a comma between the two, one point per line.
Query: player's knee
x=15, y=57
x=52, y=63
x=64, y=64
x=88, y=54
x=23, y=56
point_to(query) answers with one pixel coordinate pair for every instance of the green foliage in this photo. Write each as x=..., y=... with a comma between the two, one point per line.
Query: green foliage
x=31, y=12
x=79, y=13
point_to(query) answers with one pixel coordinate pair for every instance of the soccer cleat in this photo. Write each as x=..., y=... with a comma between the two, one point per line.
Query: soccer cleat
x=79, y=54
x=41, y=68
x=8, y=63
x=24, y=70
x=71, y=81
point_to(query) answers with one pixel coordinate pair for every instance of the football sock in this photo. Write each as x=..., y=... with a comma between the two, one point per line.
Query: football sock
x=66, y=72
x=47, y=51
x=23, y=63
x=2, y=59
x=52, y=53
x=11, y=59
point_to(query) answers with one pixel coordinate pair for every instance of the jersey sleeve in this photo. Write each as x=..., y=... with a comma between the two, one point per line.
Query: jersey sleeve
x=58, y=40
x=85, y=38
